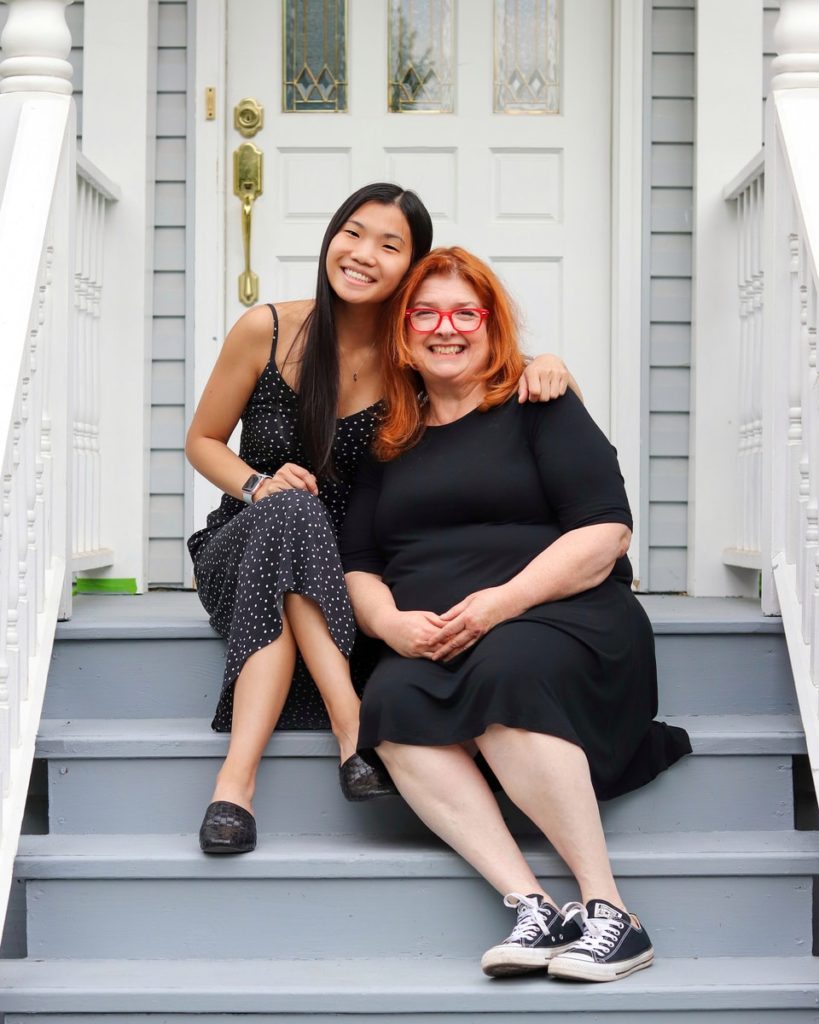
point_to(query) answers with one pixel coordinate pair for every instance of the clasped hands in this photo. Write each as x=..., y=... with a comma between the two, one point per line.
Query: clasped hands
x=420, y=634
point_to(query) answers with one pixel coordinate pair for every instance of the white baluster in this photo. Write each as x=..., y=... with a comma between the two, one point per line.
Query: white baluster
x=35, y=45
x=809, y=555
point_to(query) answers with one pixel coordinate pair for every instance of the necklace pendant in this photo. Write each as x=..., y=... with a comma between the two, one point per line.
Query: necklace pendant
x=355, y=377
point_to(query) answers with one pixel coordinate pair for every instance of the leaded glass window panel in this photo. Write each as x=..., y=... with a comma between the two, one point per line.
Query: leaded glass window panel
x=315, y=55
x=527, y=57
x=422, y=59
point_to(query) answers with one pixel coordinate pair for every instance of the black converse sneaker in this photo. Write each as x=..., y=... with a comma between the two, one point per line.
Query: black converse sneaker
x=542, y=931
x=613, y=946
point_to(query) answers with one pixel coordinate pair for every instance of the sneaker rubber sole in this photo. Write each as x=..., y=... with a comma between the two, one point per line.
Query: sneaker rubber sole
x=506, y=961
x=587, y=970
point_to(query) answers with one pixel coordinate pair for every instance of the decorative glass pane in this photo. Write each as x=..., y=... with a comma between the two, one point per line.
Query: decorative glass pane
x=421, y=56
x=315, y=55
x=527, y=57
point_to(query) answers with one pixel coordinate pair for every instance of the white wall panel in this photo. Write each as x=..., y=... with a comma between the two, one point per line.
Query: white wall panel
x=301, y=170
x=431, y=172
x=528, y=184
x=536, y=283
x=296, y=278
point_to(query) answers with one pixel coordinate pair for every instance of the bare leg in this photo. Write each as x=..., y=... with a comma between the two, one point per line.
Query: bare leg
x=548, y=778
x=261, y=691
x=328, y=667
x=464, y=813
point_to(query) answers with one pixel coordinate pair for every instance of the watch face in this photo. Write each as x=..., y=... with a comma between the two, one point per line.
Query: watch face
x=250, y=483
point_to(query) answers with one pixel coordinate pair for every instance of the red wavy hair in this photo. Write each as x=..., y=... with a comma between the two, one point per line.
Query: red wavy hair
x=402, y=424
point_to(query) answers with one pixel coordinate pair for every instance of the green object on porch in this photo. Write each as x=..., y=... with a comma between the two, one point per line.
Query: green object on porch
x=104, y=586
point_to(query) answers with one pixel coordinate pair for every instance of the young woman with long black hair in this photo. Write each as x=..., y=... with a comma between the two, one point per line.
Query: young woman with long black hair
x=267, y=565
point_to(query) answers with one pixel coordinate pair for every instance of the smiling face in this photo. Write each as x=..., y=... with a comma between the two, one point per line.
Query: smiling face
x=370, y=254
x=445, y=356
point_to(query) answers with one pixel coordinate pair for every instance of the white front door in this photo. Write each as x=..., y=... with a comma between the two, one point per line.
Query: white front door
x=528, y=192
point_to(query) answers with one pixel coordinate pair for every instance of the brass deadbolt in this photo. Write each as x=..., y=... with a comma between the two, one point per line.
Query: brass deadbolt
x=248, y=117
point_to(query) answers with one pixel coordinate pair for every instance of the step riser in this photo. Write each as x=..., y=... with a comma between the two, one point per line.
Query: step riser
x=182, y=678
x=362, y=917
x=775, y=1016
x=301, y=795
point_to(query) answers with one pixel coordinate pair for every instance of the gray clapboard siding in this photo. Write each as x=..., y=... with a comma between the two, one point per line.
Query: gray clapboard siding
x=671, y=170
x=770, y=13
x=168, y=407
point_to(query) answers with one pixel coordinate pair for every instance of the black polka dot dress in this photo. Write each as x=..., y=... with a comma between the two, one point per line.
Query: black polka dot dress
x=249, y=556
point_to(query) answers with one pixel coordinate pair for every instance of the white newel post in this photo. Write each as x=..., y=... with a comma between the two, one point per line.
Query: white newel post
x=728, y=134
x=119, y=105
x=37, y=181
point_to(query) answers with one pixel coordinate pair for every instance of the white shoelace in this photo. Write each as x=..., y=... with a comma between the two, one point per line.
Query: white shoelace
x=530, y=918
x=600, y=935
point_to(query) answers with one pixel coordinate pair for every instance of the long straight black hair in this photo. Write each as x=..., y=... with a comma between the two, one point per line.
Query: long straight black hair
x=319, y=369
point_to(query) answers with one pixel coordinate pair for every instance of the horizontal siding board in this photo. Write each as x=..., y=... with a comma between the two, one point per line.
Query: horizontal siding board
x=670, y=345
x=75, y=19
x=669, y=389
x=169, y=210
x=171, y=115
x=169, y=337
x=668, y=523
x=672, y=31
x=166, y=516
x=672, y=120
x=671, y=299
x=75, y=59
x=668, y=569
x=668, y=479
x=770, y=15
x=672, y=209
x=172, y=27
x=169, y=293
x=168, y=383
x=170, y=160
x=672, y=165
x=171, y=69
x=167, y=474
x=165, y=562
x=671, y=255
x=167, y=427
x=668, y=433
x=169, y=249
x=672, y=74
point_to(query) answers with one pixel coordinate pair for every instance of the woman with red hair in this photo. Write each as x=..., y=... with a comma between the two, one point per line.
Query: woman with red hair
x=486, y=546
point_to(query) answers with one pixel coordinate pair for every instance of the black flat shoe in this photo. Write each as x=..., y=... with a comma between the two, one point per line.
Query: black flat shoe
x=227, y=828
x=360, y=781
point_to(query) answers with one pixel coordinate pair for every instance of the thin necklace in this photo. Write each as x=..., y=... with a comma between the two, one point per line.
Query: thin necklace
x=357, y=370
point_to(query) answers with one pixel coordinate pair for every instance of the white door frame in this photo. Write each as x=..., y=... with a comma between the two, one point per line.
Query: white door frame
x=211, y=189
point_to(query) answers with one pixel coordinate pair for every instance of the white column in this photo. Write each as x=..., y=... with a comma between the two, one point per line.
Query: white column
x=119, y=107
x=728, y=134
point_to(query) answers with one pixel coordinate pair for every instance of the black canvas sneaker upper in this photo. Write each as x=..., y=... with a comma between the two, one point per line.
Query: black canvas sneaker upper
x=609, y=936
x=540, y=924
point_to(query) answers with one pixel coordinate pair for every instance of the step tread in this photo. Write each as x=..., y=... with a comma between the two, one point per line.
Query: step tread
x=193, y=737
x=179, y=614
x=420, y=984
x=726, y=854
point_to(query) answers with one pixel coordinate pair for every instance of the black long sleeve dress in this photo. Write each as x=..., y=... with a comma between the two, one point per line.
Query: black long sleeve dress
x=467, y=508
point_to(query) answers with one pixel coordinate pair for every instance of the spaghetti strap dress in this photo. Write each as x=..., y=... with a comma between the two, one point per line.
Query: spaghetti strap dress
x=472, y=504
x=249, y=556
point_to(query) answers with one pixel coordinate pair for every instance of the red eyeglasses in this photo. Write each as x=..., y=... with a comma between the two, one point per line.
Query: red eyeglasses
x=464, y=321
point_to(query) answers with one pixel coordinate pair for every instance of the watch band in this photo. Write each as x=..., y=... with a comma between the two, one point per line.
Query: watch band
x=252, y=484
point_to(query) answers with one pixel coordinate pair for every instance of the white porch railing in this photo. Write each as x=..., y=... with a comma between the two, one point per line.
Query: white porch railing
x=778, y=412
x=94, y=193
x=52, y=216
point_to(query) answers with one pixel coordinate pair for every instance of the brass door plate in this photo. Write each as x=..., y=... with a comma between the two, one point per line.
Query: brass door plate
x=248, y=117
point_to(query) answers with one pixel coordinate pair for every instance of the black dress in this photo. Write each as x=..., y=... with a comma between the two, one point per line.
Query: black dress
x=248, y=557
x=467, y=508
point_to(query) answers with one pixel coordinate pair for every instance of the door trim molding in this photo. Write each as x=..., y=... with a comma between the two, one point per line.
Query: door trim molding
x=210, y=187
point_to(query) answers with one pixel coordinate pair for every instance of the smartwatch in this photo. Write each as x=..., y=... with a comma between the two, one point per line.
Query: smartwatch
x=251, y=485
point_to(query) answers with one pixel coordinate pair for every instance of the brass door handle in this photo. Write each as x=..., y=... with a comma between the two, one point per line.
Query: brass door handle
x=247, y=185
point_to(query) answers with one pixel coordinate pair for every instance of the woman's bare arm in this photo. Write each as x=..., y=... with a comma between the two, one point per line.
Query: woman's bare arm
x=412, y=634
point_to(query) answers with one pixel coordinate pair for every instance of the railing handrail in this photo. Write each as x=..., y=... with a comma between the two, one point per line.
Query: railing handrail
x=88, y=171
x=24, y=211
x=796, y=118
x=755, y=168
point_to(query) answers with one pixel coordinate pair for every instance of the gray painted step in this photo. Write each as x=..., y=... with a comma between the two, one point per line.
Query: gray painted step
x=155, y=656
x=298, y=896
x=428, y=990
x=101, y=770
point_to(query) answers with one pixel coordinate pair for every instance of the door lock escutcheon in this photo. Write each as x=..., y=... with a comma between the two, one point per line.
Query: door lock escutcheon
x=247, y=186
x=248, y=117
